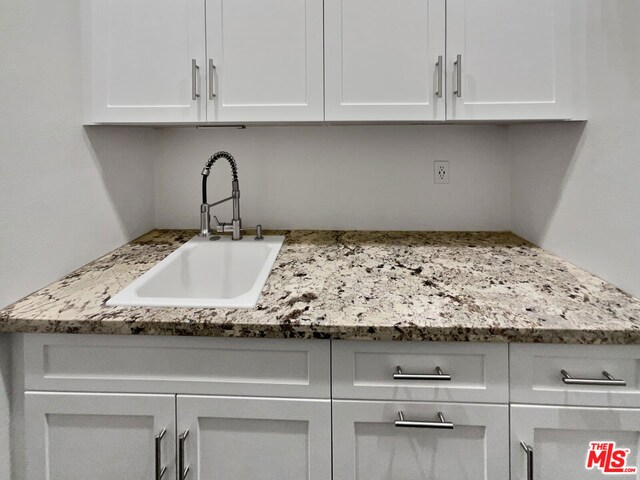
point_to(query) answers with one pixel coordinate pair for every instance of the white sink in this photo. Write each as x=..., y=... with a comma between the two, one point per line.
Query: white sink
x=206, y=273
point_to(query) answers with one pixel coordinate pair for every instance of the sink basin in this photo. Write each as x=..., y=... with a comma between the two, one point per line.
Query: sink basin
x=206, y=273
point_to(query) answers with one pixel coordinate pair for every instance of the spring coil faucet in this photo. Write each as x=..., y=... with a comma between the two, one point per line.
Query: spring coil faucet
x=235, y=226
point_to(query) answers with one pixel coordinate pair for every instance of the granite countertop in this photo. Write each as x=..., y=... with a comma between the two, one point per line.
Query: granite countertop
x=437, y=286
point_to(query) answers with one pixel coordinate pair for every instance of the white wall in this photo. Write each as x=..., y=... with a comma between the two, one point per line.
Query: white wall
x=346, y=177
x=576, y=187
x=67, y=195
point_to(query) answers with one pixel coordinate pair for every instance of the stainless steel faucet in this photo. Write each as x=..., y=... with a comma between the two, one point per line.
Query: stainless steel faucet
x=235, y=226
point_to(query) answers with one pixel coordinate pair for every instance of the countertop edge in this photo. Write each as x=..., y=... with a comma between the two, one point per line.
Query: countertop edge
x=302, y=331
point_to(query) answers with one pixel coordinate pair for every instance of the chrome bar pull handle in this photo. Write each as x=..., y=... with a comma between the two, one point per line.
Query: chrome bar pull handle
x=529, y=452
x=441, y=424
x=608, y=380
x=182, y=470
x=439, y=74
x=457, y=65
x=212, y=71
x=439, y=375
x=195, y=73
x=160, y=469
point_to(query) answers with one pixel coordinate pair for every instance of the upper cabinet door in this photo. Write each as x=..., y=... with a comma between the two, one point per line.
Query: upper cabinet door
x=513, y=59
x=381, y=60
x=146, y=61
x=264, y=60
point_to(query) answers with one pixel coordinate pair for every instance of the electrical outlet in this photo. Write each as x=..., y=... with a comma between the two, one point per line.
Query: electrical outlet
x=440, y=172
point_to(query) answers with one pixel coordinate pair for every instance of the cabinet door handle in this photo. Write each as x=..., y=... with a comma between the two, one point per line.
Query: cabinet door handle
x=607, y=380
x=442, y=423
x=422, y=376
x=212, y=70
x=529, y=452
x=195, y=73
x=160, y=469
x=439, y=74
x=457, y=65
x=182, y=470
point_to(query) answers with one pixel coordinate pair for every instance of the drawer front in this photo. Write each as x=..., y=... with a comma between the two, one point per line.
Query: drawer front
x=217, y=366
x=430, y=371
x=559, y=439
x=368, y=444
x=537, y=375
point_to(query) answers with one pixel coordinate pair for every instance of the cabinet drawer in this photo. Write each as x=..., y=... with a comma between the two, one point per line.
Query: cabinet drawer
x=218, y=366
x=469, y=372
x=368, y=444
x=537, y=375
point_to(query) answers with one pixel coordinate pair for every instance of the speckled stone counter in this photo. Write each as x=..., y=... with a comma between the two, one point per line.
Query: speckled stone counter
x=358, y=285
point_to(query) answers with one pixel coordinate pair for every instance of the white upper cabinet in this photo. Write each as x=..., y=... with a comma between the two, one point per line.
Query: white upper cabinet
x=146, y=61
x=513, y=59
x=264, y=60
x=381, y=60
x=242, y=61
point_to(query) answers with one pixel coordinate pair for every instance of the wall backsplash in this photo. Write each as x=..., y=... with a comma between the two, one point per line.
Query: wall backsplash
x=341, y=177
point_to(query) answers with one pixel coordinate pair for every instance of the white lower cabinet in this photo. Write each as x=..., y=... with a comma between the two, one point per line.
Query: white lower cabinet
x=81, y=436
x=233, y=438
x=368, y=444
x=232, y=410
x=560, y=440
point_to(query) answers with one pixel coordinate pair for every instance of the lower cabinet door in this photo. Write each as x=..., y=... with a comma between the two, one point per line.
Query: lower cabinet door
x=240, y=438
x=85, y=436
x=574, y=443
x=372, y=442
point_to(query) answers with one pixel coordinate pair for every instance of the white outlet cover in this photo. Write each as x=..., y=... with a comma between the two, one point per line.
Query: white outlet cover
x=441, y=172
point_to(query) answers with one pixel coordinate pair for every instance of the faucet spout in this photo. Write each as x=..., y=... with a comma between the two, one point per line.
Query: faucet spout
x=205, y=221
x=207, y=170
x=235, y=227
